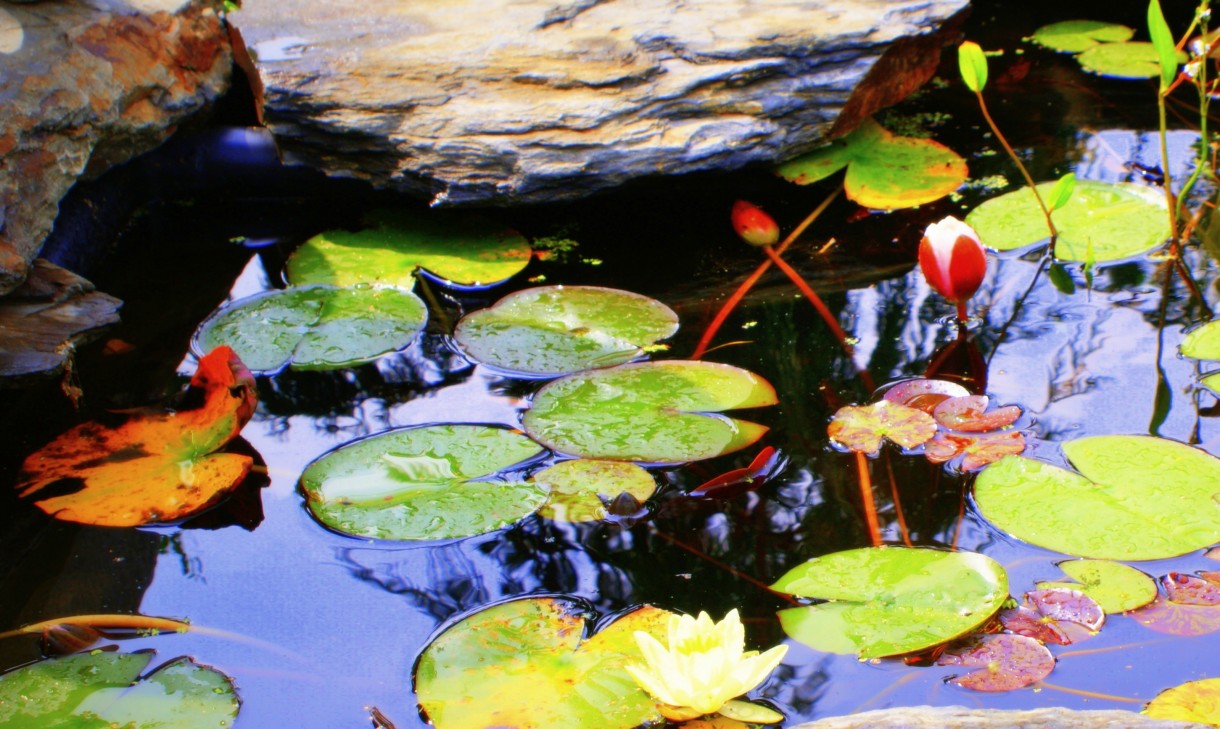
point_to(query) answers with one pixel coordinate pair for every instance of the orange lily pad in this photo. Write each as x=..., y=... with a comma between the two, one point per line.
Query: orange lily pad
x=155, y=467
x=861, y=427
x=976, y=451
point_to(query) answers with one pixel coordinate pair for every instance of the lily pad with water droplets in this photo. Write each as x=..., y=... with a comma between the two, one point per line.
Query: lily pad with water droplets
x=1074, y=36
x=1189, y=605
x=315, y=327
x=102, y=689
x=556, y=330
x=529, y=663
x=884, y=171
x=1115, y=586
x=1005, y=662
x=456, y=248
x=885, y=601
x=1193, y=701
x=420, y=483
x=1118, y=220
x=1055, y=615
x=580, y=489
x=862, y=427
x=661, y=412
x=1134, y=498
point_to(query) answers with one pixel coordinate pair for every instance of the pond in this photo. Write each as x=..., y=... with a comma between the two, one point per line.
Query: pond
x=317, y=627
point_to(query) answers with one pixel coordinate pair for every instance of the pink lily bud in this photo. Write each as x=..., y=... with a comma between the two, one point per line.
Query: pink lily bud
x=753, y=225
x=952, y=259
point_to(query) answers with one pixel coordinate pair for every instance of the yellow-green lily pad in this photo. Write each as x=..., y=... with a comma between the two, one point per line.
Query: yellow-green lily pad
x=1130, y=60
x=1116, y=587
x=580, y=489
x=1193, y=701
x=886, y=601
x=1134, y=498
x=1074, y=36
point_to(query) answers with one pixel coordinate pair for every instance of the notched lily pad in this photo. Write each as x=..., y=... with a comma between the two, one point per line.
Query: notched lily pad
x=975, y=450
x=1115, y=586
x=1130, y=59
x=556, y=330
x=659, y=412
x=969, y=414
x=1074, y=36
x=862, y=427
x=1188, y=605
x=1118, y=220
x=1055, y=615
x=923, y=394
x=315, y=327
x=1134, y=498
x=457, y=248
x=1005, y=662
x=884, y=171
x=102, y=689
x=581, y=489
x=530, y=663
x=885, y=601
x=425, y=482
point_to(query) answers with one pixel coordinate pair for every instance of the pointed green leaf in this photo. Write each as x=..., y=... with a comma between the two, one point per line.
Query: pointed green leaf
x=1061, y=192
x=1061, y=279
x=1162, y=41
x=973, y=65
x=1074, y=36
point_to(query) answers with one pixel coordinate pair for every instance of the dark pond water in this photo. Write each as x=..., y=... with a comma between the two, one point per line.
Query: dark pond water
x=322, y=625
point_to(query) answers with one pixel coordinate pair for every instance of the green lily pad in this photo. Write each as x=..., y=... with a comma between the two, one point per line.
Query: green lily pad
x=1211, y=382
x=577, y=487
x=1074, y=36
x=315, y=327
x=1115, y=586
x=528, y=663
x=459, y=249
x=661, y=412
x=102, y=689
x=1132, y=59
x=1134, y=498
x=884, y=171
x=885, y=601
x=1119, y=220
x=419, y=483
x=1202, y=342
x=555, y=330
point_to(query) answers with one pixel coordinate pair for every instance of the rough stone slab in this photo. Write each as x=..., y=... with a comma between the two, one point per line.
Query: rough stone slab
x=84, y=86
x=960, y=717
x=41, y=322
x=498, y=101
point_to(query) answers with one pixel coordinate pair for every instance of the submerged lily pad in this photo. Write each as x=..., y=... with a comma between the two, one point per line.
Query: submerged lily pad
x=1131, y=59
x=528, y=663
x=1074, y=36
x=886, y=601
x=419, y=483
x=1115, y=586
x=556, y=330
x=102, y=689
x=1193, y=701
x=649, y=411
x=1117, y=220
x=580, y=489
x=884, y=171
x=1190, y=605
x=315, y=327
x=1134, y=498
x=460, y=249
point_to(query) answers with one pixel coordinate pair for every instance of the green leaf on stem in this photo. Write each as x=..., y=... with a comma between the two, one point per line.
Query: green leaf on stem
x=1162, y=40
x=973, y=65
x=1061, y=192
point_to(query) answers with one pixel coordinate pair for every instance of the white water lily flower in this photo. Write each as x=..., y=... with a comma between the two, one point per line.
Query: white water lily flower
x=704, y=667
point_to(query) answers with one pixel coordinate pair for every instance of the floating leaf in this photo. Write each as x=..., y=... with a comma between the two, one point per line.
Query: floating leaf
x=861, y=427
x=649, y=411
x=555, y=330
x=419, y=483
x=1115, y=586
x=527, y=663
x=1135, y=498
x=1130, y=60
x=891, y=600
x=1189, y=605
x=1055, y=615
x=924, y=394
x=154, y=468
x=1202, y=342
x=884, y=171
x=104, y=689
x=1006, y=662
x=976, y=450
x=741, y=480
x=1074, y=36
x=1193, y=701
x=1120, y=220
x=969, y=414
x=315, y=327
x=460, y=249
x=581, y=489
x=1211, y=382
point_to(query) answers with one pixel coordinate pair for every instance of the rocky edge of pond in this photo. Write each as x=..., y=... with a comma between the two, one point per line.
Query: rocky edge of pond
x=960, y=717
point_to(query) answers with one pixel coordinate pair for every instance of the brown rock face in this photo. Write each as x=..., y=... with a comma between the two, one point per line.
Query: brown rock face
x=83, y=88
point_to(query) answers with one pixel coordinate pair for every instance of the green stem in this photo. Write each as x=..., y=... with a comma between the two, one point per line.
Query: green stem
x=1050, y=224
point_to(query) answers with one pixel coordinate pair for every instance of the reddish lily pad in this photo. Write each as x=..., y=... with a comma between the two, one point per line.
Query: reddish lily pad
x=740, y=480
x=1193, y=701
x=155, y=467
x=975, y=451
x=1055, y=615
x=1115, y=586
x=969, y=414
x=884, y=171
x=924, y=394
x=1006, y=662
x=1189, y=605
x=528, y=663
x=861, y=427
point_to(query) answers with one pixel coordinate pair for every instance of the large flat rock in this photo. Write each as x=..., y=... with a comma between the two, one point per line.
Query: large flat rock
x=84, y=86
x=499, y=101
x=960, y=717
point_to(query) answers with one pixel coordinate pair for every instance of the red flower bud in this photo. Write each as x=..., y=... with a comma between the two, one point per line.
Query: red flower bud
x=952, y=259
x=753, y=225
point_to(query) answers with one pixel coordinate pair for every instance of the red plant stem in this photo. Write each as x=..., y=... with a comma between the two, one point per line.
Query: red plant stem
x=902, y=521
x=866, y=497
x=1024, y=172
x=822, y=309
x=743, y=289
x=727, y=568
